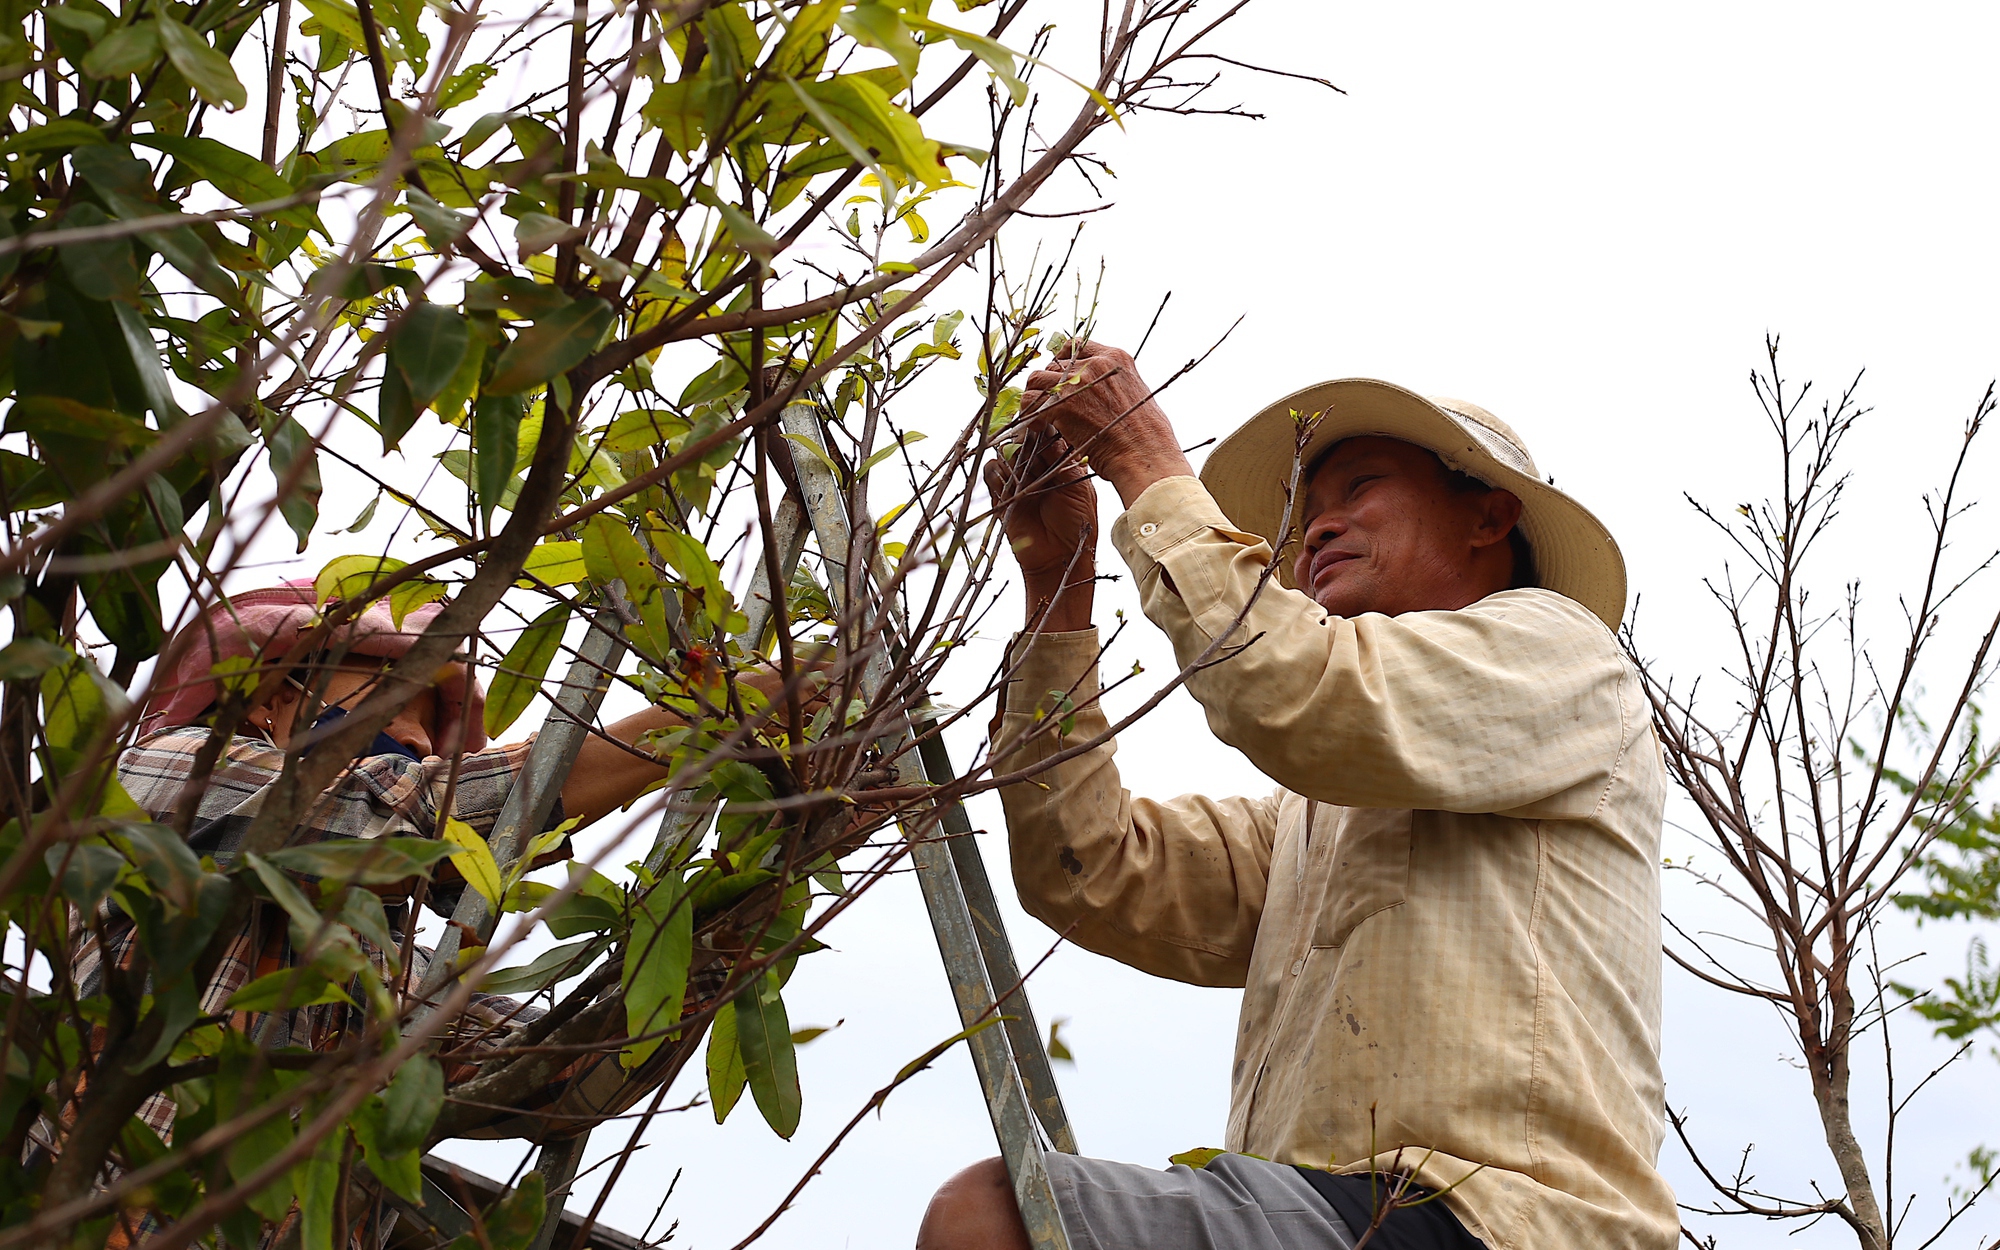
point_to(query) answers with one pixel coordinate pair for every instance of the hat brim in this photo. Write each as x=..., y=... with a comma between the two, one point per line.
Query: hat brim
x=1247, y=472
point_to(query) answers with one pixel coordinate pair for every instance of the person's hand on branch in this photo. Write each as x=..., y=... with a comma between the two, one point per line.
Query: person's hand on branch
x=1048, y=508
x=1094, y=397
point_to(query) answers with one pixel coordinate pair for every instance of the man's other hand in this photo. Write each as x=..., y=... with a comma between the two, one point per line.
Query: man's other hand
x=1094, y=397
x=1048, y=508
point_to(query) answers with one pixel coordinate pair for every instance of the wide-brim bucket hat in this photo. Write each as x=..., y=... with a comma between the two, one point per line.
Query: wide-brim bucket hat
x=1247, y=473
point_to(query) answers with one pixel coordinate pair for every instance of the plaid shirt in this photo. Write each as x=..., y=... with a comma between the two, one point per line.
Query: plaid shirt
x=379, y=796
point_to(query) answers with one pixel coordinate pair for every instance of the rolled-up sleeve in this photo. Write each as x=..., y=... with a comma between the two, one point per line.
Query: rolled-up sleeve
x=1518, y=704
x=1174, y=888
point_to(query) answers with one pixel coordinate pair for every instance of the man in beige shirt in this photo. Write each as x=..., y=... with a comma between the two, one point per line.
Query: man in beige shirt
x=1445, y=918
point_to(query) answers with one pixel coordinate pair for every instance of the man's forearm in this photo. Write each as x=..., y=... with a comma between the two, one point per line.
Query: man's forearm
x=1060, y=602
x=606, y=775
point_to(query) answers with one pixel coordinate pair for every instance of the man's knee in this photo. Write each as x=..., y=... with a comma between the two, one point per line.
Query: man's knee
x=974, y=1210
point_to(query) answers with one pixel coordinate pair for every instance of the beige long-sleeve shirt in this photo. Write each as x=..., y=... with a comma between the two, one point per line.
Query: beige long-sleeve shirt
x=1448, y=911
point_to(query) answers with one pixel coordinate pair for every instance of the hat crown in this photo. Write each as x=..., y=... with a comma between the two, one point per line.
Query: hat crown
x=1495, y=435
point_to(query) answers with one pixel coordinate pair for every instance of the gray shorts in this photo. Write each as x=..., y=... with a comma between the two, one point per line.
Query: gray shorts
x=1235, y=1203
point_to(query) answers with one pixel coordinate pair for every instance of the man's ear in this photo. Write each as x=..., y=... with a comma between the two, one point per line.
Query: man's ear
x=1499, y=513
x=278, y=708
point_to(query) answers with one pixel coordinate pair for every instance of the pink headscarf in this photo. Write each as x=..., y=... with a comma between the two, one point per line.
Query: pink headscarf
x=267, y=623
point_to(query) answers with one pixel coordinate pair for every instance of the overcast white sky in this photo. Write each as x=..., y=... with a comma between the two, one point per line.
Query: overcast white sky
x=1586, y=218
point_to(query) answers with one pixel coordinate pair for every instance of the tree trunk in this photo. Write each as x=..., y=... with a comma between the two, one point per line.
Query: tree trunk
x=1830, y=1081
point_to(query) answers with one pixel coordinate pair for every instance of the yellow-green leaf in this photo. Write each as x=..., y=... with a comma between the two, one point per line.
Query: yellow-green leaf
x=474, y=859
x=347, y=577
x=726, y=1077
x=557, y=562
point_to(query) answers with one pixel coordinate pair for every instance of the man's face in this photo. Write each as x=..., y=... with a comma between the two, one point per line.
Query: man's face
x=415, y=726
x=1384, y=531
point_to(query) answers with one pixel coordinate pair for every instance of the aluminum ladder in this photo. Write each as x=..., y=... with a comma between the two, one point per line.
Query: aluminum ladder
x=1011, y=1061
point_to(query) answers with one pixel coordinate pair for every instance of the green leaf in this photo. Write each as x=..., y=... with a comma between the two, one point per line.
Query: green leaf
x=441, y=226
x=639, y=429
x=876, y=122
x=610, y=553
x=411, y=1104
x=538, y=232
x=512, y=1222
x=125, y=51
x=340, y=280
x=724, y=377
x=555, y=344
x=283, y=892
x=412, y=595
x=580, y=914
x=819, y=453
x=450, y=403
x=685, y=554
x=838, y=133
x=206, y=70
x=287, y=441
x=153, y=380
x=395, y=411
x=168, y=862
x=568, y=960
x=238, y=175
x=464, y=86
x=475, y=860
x=104, y=270
x=726, y=1077
x=400, y=16
x=362, y=861
x=285, y=989
x=243, y=1083
x=556, y=562
x=362, y=912
x=175, y=1008
x=764, y=1036
x=401, y=1171
x=998, y=57
x=318, y=1182
x=367, y=515
x=87, y=871
x=26, y=659
x=747, y=234
x=427, y=349
x=496, y=442
x=339, y=18
x=657, y=955
x=880, y=26
x=522, y=670
x=75, y=702
x=1058, y=1050
x=902, y=441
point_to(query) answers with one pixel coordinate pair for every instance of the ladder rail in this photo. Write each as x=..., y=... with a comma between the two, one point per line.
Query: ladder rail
x=533, y=795
x=994, y=1053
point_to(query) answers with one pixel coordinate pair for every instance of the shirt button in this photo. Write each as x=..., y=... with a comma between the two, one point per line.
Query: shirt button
x=1298, y=966
x=1148, y=529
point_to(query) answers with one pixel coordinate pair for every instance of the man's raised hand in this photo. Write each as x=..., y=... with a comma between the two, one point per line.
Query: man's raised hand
x=1048, y=507
x=1094, y=397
